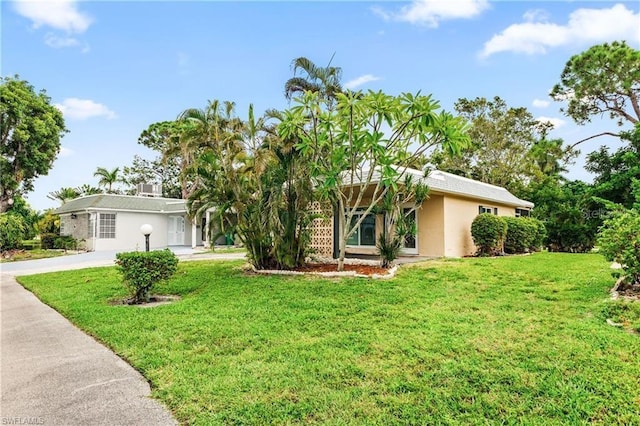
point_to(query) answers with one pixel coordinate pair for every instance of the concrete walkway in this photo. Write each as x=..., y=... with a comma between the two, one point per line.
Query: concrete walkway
x=53, y=373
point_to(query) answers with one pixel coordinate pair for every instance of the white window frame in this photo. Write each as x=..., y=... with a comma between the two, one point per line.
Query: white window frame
x=107, y=231
x=487, y=209
x=519, y=212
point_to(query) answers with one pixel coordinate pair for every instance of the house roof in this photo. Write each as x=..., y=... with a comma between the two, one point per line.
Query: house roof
x=130, y=203
x=448, y=183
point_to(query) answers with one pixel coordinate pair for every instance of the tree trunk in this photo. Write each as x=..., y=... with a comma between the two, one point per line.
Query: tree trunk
x=342, y=229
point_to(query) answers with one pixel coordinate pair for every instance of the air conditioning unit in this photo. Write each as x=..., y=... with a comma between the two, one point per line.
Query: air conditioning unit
x=149, y=190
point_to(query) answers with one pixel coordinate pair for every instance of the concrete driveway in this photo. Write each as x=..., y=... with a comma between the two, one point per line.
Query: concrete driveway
x=53, y=373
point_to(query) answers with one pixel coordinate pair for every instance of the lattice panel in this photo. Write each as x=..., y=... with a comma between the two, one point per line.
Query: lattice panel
x=322, y=230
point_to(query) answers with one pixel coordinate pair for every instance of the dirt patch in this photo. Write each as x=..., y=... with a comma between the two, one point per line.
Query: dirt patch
x=331, y=267
x=155, y=300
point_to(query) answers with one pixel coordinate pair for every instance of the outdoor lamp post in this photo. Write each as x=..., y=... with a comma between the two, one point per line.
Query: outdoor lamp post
x=146, y=230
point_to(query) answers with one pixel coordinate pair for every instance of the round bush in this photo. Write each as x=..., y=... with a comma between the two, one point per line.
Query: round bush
x=488, y=232
x=521, y=234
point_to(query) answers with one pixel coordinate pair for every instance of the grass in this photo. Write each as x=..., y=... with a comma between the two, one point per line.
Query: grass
x=32, y=255
x=476, y=341
x=227, y=249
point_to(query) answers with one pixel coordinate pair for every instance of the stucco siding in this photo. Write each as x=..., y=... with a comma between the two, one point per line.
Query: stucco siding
x=430, y=230
x=459, y=214
x=128, y=235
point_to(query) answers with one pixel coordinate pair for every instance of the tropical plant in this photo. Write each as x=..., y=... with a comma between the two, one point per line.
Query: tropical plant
x=108, y=177
x=30, y=133
x=12, y=231
x=64, y=194
x=308, y=77
x=366, y=141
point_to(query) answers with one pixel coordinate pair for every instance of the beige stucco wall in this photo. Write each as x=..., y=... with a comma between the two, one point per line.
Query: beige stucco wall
x=458, y=216
x=430, y=229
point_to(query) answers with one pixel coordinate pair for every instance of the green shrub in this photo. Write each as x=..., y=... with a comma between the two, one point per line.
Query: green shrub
x=389, y=248
x=48, y=240
x=488, y=232
x=142, y=270
x=540, y=234
x=619, y=241
x=12, y=231
x=521, y=234
x=65, y=242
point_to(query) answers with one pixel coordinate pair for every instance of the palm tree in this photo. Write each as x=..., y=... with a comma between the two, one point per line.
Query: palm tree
x=63, y=195
x=107, y=178
x=322, y=80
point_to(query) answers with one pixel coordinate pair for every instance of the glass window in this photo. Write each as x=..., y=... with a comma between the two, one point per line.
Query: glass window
x=365, y=234
x=485, y=209
x=107, y=228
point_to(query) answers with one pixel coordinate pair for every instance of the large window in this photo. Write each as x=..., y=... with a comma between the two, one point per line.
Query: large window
x=523, y=213
x=107, y=225
x=365, y=234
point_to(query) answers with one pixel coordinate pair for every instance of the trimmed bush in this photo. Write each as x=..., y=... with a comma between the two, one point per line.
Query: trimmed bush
x=619, y=241
x=48, y=240
x=12, y=231
x=488, y=232
x=142, y=270
x=540, y=235
x=521, y=234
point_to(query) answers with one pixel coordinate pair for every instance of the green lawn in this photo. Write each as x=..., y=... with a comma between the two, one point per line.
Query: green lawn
x=475, y=341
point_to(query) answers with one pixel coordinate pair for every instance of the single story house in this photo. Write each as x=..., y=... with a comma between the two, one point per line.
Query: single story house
x=112, y=222
x=443, y=221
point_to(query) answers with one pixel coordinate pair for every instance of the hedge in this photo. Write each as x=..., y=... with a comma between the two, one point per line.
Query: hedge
x=488, y=232
x=142, y=270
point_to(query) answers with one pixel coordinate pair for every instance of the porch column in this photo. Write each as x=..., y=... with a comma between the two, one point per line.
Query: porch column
x=206, y=241
x=194, y=233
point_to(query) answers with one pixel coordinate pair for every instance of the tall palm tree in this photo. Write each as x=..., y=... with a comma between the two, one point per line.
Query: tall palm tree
x=307, y=76
x=107, y=178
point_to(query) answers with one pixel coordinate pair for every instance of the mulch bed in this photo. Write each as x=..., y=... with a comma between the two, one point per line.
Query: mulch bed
x=332, y=267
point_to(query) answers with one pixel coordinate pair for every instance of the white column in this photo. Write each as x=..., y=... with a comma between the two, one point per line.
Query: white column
x=194, y=233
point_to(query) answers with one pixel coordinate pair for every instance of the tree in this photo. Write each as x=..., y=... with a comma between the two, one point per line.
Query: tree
x=108, y=177
x=603, y=79
x=617, y=174
x=30, y=133
x=254, y=183
x=366, y=141
x=508, y=146
x=170, y=140
x=29, y=216
x=325, y=81
x=156, y=171
x=64, y=194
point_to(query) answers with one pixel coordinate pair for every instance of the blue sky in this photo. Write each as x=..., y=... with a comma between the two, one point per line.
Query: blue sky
x=116, y=67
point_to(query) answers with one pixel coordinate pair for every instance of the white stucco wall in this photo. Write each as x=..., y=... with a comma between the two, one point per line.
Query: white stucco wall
x=128, y=235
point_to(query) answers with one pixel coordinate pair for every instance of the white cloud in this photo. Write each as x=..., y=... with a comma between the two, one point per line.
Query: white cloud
x=57, y=42
x=65, y=152
x=81, y=109
x=59, y=14
x=359, y=81
x=432, y=12
x=585, y=26
x=557, y=122
x=540, y=103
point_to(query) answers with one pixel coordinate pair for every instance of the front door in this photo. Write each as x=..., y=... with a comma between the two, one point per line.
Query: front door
x=176, y=231
x=410, y=245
